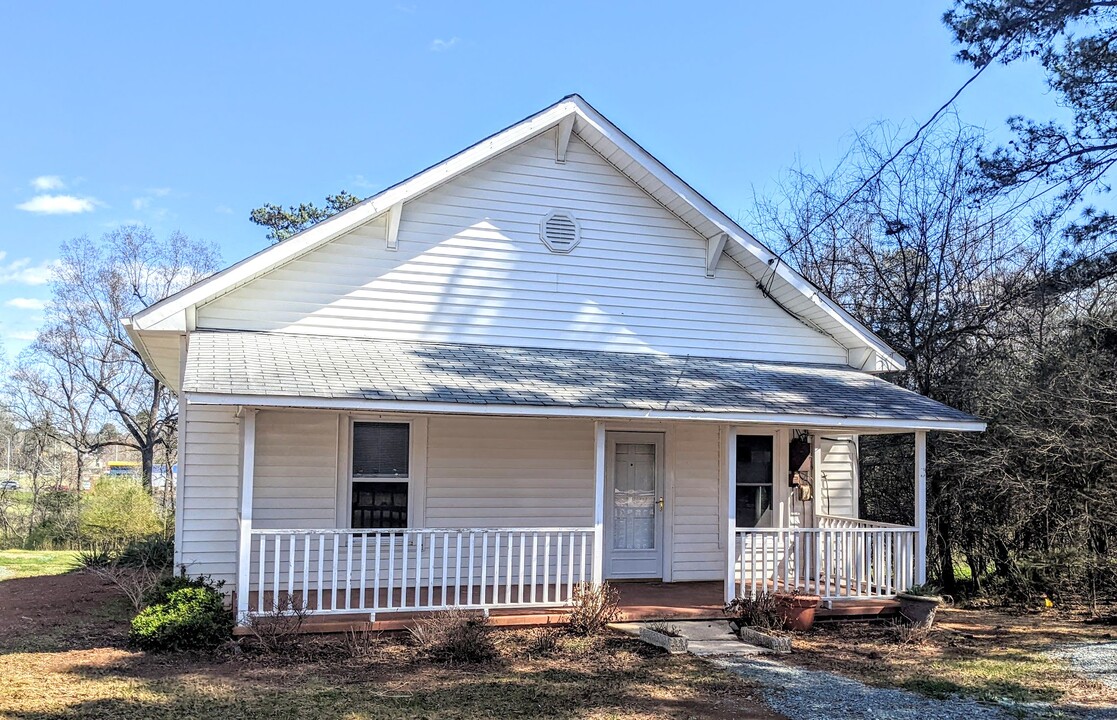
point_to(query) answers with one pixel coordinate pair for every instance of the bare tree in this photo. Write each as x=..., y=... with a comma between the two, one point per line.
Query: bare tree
x=82, y=352
x=910, y=254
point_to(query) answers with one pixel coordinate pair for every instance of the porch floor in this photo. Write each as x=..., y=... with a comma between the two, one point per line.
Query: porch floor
x=638, y=601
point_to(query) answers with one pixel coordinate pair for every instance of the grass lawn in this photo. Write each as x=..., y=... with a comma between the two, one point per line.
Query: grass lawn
x=30, y=563
x=984, y=654
x=64, y=656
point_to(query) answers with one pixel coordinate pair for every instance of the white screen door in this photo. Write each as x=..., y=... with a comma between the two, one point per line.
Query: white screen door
x=634, y=506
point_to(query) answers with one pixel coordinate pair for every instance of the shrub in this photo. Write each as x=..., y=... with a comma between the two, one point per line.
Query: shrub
x=94, y=558
x=759, y=613
x=455, y=636
x=137, y=570
x=278, y=629
x=191, y=618
x=592, y=608
x=169, y=583
x=544, y=640
x=118, y=511
x=58, y=520
x=152, y=552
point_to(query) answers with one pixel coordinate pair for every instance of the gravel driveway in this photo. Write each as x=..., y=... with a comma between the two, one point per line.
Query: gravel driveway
x=1097, y=661
x=814, y=695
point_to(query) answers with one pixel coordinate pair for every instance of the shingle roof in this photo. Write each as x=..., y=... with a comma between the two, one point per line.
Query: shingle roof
x=309, y=366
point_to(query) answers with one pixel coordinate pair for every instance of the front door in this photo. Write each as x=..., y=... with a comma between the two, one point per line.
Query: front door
x=634, y=505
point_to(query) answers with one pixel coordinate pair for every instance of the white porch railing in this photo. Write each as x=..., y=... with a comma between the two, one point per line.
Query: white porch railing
x=845, y=558
x=381, y=571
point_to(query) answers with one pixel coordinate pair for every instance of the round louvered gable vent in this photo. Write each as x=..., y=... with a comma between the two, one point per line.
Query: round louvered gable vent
x=560, y=231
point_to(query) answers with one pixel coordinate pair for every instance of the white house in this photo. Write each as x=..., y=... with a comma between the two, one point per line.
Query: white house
x=543, y=361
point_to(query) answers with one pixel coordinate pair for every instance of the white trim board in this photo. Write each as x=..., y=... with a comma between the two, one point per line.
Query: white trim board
x=804, y=421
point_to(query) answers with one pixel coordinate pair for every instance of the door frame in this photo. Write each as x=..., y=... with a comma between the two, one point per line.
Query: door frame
x=662, y=524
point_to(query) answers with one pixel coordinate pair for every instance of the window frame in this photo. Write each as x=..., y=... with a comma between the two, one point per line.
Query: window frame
x=416, y=470
x=774, y=439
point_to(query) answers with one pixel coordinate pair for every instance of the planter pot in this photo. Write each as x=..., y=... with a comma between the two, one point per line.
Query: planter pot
x=797, y=610
x=919, y=610
x=764, y=640
x=670, y=643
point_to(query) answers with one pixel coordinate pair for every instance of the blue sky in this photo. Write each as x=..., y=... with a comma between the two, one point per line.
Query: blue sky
x=185, y=116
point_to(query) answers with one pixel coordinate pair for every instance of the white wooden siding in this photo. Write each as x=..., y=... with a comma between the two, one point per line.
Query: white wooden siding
x=836, y=488
x=500, y=472
x=471, y=268
x=207, y=534
x=296, y=470
x=697, y=551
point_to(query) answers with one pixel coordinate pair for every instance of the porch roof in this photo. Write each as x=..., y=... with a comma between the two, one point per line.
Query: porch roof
x=286, y=369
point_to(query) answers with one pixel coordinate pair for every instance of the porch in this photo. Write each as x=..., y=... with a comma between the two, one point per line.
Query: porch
x=529, y=575
x=652, y=519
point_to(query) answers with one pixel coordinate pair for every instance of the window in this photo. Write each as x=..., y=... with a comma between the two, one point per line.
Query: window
x=381, y=464
x=754, y=480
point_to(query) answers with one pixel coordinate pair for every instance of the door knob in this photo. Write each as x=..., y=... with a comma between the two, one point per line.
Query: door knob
x=660, y=502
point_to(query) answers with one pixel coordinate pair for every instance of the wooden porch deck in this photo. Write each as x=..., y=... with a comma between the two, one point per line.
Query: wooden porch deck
x=638, y=601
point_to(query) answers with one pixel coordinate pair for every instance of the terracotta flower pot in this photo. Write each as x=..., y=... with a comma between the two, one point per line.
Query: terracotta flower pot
x=797, y=610
x=919, y=610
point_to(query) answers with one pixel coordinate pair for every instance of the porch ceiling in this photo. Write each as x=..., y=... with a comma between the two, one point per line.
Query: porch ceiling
x=309, y=370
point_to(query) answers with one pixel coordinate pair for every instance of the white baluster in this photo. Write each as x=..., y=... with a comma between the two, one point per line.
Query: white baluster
x=430, y=568
x=348, y=571
x=306, y=570
x=390, y=602
x=418, y=567
x=321, y=567
x=260, y=582
x=376, y=574
x=364, y=568
x=484, y=563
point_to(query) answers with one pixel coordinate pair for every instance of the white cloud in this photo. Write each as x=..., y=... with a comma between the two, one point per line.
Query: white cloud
x=46, y=183
x=22, y=303
x=22, y=272
x=223, y=210
x=57, y=205
x=159, y=192
x=440, y=45
x=140, y=203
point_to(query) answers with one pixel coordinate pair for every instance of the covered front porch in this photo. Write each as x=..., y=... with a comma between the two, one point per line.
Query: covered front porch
x=384, y=477
x=658, y=534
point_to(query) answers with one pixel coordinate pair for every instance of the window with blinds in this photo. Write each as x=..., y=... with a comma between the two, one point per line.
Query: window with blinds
x=381, y=463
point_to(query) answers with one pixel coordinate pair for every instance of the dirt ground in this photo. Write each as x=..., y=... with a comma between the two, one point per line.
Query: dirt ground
x=62, y=639
x=986, y=654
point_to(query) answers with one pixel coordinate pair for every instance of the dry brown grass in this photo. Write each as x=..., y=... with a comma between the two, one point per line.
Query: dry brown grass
x=71, y=663
x=985, y=654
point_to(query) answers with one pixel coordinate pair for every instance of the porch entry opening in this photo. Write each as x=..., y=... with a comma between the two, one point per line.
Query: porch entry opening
x=634, y=505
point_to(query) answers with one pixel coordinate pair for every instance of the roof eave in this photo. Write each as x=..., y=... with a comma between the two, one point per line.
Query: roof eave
x=451, y=408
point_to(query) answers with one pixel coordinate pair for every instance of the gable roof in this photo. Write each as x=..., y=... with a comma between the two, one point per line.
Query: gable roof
x=288, y=370
x=787, y=288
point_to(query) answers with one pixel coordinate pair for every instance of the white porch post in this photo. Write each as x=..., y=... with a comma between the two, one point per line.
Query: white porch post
x=598, y=501
x=920, y=507
x=729, y=460
x=244, y=537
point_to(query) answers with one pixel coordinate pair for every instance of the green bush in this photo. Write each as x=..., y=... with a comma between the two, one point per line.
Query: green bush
x=171, y=583
x=118, y=511
x=191, y=618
